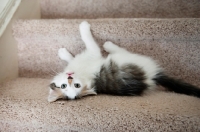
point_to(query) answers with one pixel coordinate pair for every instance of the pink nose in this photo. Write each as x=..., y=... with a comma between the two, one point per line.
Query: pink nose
x=69, y=74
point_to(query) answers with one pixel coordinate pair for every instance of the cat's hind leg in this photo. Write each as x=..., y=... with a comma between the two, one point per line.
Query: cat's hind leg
x=112, y=48
x=65, y=55
x=88, y=39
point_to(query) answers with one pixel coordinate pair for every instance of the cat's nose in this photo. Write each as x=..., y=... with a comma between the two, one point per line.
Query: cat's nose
x=69, y=74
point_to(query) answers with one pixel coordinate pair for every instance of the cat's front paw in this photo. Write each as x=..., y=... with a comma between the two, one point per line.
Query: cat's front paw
x=84, y=26
x=62, y=53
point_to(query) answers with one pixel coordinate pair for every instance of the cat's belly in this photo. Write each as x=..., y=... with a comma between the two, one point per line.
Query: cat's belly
x=148, y=65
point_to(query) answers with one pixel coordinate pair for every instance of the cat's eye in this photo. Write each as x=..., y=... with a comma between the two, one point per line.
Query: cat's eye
x=77, y=85
x=63, y=86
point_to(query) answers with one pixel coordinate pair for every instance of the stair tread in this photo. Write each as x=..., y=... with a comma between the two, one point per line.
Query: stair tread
x=28, y=97
x=173, y=42
x=120, y=28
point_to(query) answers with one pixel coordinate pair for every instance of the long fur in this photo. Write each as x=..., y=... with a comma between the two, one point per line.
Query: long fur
x=129, y=80
x=120, y=73
x=126, y=80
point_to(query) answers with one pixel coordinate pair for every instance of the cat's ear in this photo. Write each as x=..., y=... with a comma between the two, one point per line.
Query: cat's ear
x=54, y=95
x=86, y=92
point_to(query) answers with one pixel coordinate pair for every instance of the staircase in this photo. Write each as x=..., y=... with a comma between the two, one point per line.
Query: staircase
x=168, y=31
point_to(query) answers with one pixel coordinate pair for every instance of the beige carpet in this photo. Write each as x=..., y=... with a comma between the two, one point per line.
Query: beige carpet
x=24, y=107
x=120, y=9
x=174, y=43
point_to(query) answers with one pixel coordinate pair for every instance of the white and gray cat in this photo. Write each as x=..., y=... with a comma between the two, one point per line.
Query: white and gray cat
x=121, y=73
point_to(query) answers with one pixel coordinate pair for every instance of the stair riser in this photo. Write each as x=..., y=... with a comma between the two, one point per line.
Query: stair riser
x=133, y=29
x=74, y=9
x=179, y=55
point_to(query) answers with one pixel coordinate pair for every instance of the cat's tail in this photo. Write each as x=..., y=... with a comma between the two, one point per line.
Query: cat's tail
x=177, y=86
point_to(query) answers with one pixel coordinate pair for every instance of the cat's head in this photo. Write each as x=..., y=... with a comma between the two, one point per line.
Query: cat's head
x=68, y=86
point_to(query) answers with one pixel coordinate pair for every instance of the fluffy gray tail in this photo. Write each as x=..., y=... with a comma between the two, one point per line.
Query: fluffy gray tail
x=177, y=86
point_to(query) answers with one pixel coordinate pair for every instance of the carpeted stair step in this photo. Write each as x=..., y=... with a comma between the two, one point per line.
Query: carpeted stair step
x=73, y=9
x=175, y=43
x=24, y=107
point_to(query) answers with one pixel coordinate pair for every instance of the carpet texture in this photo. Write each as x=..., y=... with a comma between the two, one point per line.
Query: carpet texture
x=174, y=43
x=73, y=9
x=24, y=107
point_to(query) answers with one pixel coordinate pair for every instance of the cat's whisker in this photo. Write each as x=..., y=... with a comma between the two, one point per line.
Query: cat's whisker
x=121, y=73
x=50, y=74
x=55, y=72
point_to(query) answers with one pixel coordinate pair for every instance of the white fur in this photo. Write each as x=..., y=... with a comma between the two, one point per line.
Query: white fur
x=70, y=91
x=88, y=63
x=83, y=66
x=64, y=55
x=121, y=56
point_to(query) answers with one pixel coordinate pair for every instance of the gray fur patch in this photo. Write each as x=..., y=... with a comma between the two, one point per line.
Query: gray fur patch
x=125, y=80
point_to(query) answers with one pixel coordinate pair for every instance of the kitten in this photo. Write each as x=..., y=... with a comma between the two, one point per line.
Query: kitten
x=121, y=73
